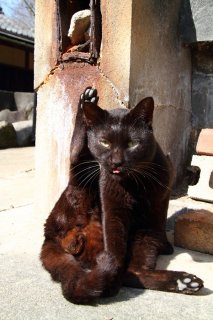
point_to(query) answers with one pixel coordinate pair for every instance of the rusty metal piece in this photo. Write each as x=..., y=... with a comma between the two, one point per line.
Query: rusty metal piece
x=96, y=29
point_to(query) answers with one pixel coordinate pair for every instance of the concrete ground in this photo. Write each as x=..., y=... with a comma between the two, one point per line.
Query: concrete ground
x=26, y=291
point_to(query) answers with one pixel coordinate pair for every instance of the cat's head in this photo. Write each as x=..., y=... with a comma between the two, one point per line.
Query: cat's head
x=121, y=140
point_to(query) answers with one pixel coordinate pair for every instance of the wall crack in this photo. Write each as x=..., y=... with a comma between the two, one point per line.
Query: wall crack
x=113, y=87
x=50, y=74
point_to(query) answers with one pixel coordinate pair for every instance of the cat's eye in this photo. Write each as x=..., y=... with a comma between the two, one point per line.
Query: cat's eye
x=105, y=143
x=133, y=144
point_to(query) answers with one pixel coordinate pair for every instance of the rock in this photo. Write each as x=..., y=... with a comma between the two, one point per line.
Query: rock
x=194, y=230
x=79, y=24
x=25, y=102
x=7, y=135
x=24, y=130
x=87, y=34
x=13, y=116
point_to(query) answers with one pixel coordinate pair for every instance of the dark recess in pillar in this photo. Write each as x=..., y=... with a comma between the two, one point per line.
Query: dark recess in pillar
x=87, y=52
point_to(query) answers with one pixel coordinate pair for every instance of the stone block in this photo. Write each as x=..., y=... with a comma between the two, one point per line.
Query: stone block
x=80, y=22
x=205, y=143
x=12, y=116
x=203, y=190
x=7, y=135
x=25, y=103
x=193, y=230
x=24, y=131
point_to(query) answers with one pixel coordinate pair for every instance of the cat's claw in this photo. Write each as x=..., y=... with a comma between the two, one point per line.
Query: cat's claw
x=89, y=94
x=188, y=284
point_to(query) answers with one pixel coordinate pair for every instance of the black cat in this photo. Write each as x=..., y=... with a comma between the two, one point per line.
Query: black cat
x=108, y=227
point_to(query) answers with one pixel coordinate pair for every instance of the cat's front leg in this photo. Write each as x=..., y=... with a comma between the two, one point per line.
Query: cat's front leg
x=116, y=215
x=78, y=143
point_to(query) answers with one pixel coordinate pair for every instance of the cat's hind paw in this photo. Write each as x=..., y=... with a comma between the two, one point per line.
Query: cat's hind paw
x=188, y=283
x=89, y=94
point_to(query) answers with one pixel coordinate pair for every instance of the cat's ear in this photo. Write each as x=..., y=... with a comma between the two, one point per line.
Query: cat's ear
x=144, y=110
x=93, y=114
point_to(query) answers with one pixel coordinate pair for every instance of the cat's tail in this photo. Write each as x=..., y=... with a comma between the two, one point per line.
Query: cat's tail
x=80, y=286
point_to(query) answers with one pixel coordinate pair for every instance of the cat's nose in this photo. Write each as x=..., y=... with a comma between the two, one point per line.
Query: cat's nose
x=117, y=158
x=117, y=164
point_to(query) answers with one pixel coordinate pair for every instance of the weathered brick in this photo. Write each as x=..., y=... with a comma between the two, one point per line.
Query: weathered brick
x=205, y=142
x=194, y=230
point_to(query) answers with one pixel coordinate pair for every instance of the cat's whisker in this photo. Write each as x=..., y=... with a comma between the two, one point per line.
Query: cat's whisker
x=143, y=177
x=136, y=177
x=88, y=174
x=89, y=177
x=151, y=171
x=152, y=182
x=152, y=165
x=93, y=178
x=149, y=175
x=132, y=175
x=83, y=163
x=90, y=181
x=85, y=169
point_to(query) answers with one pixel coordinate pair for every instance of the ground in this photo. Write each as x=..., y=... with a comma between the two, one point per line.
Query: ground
x=26, y=289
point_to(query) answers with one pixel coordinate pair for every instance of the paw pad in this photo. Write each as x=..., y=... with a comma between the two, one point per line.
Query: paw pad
x=189, y=284
x=90, y=94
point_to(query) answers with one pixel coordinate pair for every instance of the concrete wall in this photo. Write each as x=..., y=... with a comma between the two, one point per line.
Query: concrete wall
x=161, y=67
x=116, y=45
x=45, y=42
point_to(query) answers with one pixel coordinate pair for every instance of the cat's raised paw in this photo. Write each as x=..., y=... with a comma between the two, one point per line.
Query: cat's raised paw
x=89, y=94
x=188, y=284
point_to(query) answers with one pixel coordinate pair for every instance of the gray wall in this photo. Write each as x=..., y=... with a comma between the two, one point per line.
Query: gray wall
x=161, y=67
